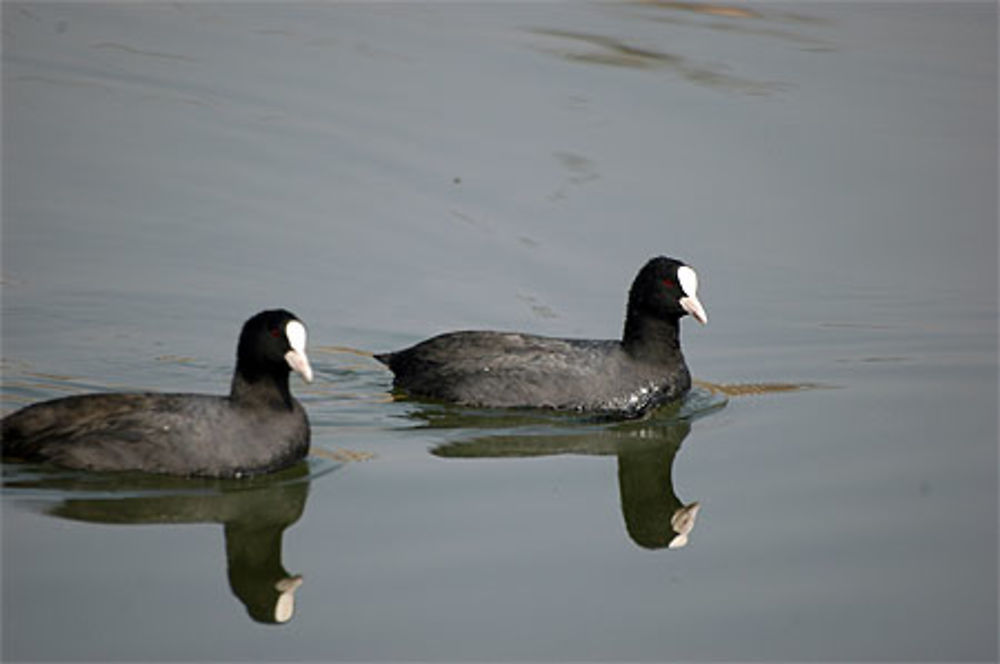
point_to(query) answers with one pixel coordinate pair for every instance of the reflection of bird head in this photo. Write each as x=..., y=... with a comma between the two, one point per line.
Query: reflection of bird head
x=256, y=574
x=270, y=603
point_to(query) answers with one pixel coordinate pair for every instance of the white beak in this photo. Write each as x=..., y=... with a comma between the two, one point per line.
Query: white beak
x=691, y=305
x=688, y=279
x=299, y=363
x=295, y=331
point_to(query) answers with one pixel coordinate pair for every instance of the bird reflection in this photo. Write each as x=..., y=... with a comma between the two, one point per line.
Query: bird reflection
x=254, y=512
x=655, y=517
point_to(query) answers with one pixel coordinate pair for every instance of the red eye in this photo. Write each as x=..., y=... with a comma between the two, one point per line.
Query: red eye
x=275, y=332
x=668, y=283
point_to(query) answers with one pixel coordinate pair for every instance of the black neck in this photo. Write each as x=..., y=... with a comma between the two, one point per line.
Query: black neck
x=268, y=388
x=651, y=338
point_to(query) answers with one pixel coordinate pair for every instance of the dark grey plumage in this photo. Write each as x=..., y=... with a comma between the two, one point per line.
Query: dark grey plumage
x=258, y=427
x=506, y=369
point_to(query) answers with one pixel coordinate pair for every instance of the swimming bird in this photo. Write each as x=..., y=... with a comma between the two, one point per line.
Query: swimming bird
x=259, y=427
x=623, y=378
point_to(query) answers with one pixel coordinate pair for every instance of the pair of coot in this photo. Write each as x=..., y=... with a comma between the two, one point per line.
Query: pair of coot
x=259, y=427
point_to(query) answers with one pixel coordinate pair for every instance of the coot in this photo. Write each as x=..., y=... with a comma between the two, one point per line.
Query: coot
x=258, y=428
x=620, y=378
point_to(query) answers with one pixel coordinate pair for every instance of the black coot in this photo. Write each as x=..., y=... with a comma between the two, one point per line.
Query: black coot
x=258, y=428
x=621, y=378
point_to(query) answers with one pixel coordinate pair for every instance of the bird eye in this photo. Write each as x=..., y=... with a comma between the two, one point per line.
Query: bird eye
x=668, y=283
x=275, y=332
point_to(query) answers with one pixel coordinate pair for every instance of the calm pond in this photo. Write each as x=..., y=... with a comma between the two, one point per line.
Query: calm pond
x=391, y=171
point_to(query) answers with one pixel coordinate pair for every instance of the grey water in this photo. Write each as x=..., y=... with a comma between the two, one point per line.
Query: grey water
x=389, y=171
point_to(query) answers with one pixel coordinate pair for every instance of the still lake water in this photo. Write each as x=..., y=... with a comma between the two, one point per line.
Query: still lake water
x=391, y=171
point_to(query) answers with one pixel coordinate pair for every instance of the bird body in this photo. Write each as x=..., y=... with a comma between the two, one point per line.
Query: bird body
x=176, y=434
x=508, y=369
x=258, y=427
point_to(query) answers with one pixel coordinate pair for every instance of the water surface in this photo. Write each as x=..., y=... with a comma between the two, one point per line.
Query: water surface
x=390, y=171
